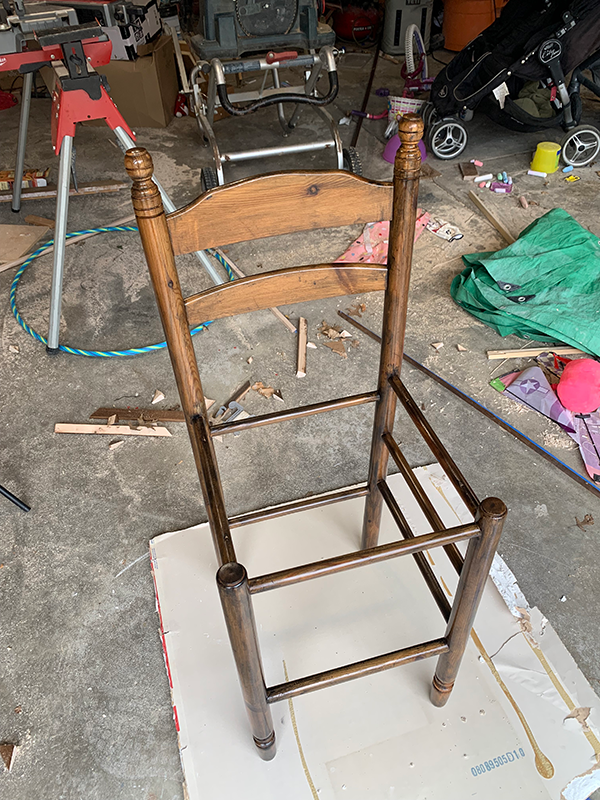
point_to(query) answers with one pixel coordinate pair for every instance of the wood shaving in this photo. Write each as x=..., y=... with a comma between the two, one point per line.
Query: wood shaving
x=461, y=349
x=311, y=345
x=112, y=419
x=330, y=331
x=357, y=310
x=265, y=391
x=13, y=348
x=157, y=396
x=437, y=345
x=249, y=360
x=354, y=343
x=115, y=445
x=582, y=524
x=337, y=346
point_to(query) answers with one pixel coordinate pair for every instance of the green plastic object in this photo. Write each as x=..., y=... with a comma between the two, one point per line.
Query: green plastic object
x=545, y=286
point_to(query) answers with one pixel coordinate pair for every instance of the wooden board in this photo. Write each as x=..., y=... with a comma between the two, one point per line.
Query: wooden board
x=530, y=352
x=492, y=217
x=16, y=240
x=302, y=342
x=40, y=192
x=270, y=205
x=110, y=430
x=292, y=285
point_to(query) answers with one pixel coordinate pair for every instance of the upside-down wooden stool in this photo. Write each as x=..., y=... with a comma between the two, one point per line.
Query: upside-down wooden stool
x=280, y=203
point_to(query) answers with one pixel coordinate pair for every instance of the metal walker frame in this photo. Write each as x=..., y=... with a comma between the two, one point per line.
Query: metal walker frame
x=204, y=107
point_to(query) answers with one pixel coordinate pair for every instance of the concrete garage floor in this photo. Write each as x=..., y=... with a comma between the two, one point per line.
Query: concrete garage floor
x=83, y=686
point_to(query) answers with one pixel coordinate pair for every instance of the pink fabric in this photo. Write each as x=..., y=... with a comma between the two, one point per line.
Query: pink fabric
x=371, y=247
x=579, y=386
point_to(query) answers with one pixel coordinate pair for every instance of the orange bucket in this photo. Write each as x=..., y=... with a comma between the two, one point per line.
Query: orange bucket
x=465, y=19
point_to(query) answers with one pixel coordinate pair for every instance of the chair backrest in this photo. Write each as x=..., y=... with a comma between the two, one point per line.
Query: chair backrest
x=278, y=203
x=266, y=206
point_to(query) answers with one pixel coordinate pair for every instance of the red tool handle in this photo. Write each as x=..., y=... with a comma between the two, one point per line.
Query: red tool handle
x=287, y=55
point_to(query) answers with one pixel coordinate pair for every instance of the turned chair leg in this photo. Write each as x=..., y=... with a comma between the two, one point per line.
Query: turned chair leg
x=473, y=576
x=232, y=581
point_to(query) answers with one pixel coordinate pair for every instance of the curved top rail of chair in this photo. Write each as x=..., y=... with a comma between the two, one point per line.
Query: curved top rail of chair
x=240, y=211
x=284, y=286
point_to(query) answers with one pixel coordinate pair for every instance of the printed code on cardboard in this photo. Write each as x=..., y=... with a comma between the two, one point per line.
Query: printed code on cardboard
x=499, y=761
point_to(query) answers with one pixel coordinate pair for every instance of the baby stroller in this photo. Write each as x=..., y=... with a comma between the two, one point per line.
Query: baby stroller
x=524, y=54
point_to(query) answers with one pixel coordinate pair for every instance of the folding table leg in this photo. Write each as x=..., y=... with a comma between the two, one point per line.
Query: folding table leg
x=471, y=584
x=22, y=140
x=60, y=232
x=232, y=581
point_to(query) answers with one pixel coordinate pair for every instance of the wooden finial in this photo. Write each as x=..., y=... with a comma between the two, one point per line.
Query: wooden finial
x=408, y=155
x=144, y=192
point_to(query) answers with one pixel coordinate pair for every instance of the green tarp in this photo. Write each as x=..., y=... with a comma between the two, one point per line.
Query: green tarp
x=545, y=286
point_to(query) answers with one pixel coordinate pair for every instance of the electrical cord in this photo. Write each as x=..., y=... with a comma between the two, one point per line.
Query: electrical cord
x=77, y=351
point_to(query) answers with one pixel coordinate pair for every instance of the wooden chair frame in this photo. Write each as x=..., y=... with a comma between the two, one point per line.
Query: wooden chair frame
x=303, y=201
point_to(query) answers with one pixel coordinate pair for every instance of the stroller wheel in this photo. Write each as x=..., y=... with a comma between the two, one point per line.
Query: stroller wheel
x=352, y=161
x=429, y=114
x=581, y=145
x=447, y=138
x=208, y=179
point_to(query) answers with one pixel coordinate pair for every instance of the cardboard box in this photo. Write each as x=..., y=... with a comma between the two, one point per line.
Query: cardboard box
x=145, y=90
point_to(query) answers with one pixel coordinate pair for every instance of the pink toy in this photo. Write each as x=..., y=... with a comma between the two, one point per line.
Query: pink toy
x=579, y=386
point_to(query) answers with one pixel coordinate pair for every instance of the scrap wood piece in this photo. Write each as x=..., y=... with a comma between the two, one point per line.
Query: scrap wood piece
x=492, y=217
x=96, y=187
x=531, y=352
x=112, y=430
x=33, y=219
x=7, y=753
x=337, y=346
x=302, y=343
x=145, y=414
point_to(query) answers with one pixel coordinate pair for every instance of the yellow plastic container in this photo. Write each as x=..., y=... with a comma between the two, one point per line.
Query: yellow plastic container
x=546, y=157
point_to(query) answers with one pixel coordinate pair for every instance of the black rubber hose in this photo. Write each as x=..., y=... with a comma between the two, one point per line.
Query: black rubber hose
x=241, y=111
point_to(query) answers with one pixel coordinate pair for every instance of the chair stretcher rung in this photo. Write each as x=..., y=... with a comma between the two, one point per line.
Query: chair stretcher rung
x=298, y=505
x=359, y=669
x=452, y=551
x=420, y=495
x=293, y=413
x=435, y=445
x=373, y=555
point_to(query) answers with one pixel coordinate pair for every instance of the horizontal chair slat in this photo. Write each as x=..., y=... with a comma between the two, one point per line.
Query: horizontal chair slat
x=284, y=287
x=373, y=555
x=298, y=505
x=293, y=413
x=281, y=203
x=359, y=669
x=435, y=445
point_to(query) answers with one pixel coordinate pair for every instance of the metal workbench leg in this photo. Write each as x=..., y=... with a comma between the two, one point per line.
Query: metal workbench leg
x=60, y=232
x=22, y=141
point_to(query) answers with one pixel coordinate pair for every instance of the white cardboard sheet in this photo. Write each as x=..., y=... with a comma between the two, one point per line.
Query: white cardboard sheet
x=504, y=734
